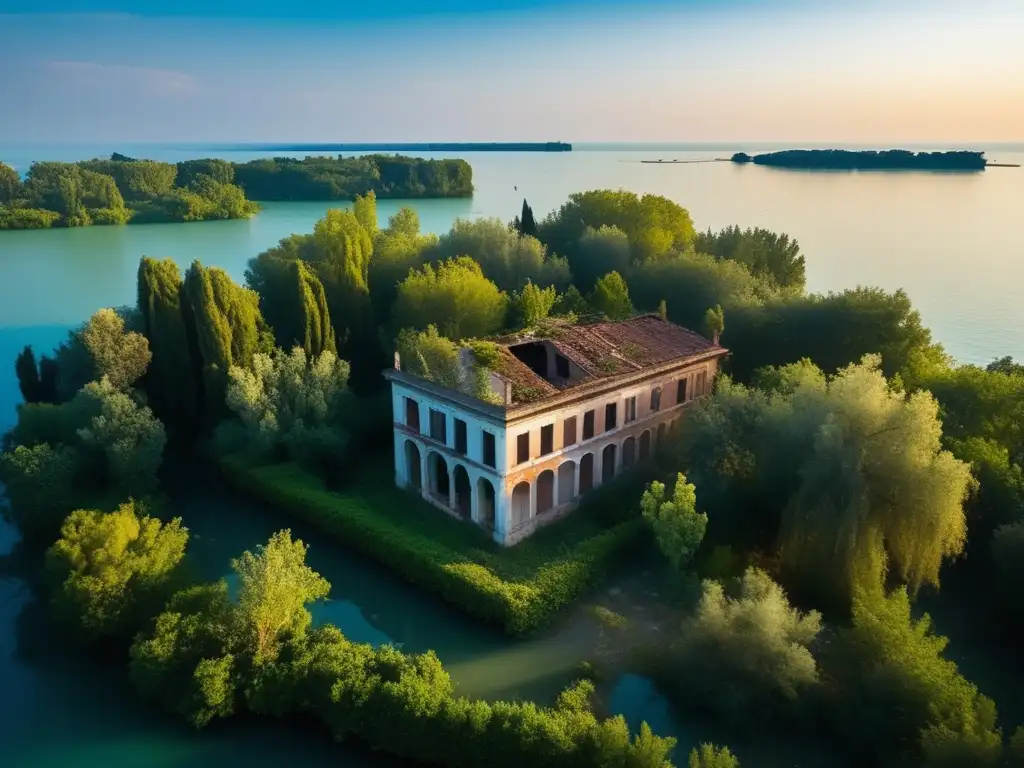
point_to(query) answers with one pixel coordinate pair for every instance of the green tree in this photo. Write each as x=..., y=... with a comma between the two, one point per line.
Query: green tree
x=40, y=482
x=570, y=303
x=711, y=756
x=747, y=655
x=678, y=527
x=525, y=223
x=532, y=304
x=898, y=698
x=769, y=256
x=292, y=404
x=172, y=380
x=397, y=248
x=275, y=585
x=611, y=297
x=365, y=209
x=505, y=257
x=714, y=323
x=102, y=348
x=225, y=320
x=600, y=251
x=186, y=661
x=309, y=322
x=10, y=184
x=113, y=571
x=37, y=382
x=455, y=296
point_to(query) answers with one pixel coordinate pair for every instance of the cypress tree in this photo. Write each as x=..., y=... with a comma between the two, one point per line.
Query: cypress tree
x=171, y=379
x=28, y=375
x=365, y=210
x=319, y=334
x=47, y=379
x=527, y=225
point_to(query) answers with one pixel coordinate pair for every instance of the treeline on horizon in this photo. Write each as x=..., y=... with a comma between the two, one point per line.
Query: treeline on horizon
x=845, y=159
x=125, y=190
x=845, y=455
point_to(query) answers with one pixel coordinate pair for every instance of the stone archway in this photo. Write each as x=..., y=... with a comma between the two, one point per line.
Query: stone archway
x=520, y=504
x=439, y=481
x=628, y=452
x=413, y=468
x=586, y=472
x=566, y=482
x=645, y=445
x=608, y=462
x=545, y=491
x=463, y=492
x=485, y=503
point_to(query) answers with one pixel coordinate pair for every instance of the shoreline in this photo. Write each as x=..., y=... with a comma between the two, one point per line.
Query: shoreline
x=487, y=146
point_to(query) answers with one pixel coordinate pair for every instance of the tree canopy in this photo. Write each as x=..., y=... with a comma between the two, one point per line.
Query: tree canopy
x=456, y=297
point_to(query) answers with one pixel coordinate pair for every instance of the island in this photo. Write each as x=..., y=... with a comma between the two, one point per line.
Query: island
x=443, y=146
x=848, y=160
x=123, y=190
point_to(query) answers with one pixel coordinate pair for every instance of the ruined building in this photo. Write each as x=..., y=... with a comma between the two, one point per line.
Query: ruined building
x=558, y=416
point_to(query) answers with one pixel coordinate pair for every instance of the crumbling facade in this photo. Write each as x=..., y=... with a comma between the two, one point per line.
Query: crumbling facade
x=572, y=410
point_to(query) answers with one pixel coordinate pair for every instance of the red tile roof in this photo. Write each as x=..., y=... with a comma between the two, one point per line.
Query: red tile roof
x=605, y=350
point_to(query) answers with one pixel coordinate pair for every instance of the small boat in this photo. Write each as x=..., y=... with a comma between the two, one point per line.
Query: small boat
x=659, y=161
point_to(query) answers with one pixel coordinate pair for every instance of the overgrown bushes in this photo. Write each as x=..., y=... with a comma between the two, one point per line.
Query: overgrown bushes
x=519, y=589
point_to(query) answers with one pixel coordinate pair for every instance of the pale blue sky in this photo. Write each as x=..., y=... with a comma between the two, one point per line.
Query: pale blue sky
x=757, y=70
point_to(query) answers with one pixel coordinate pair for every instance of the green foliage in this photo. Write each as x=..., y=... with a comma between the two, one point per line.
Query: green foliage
x=654, y=225
x=27, y=218
x=519, y=589
x=188, y=171
x=296, y=308
x=898, y=698
x=532, y=304
x=225, y=320
x=1008, y=565
x=678, y=527
x=456, y=297
x=525, y=224
x=505, y=257
x=10, y=184
x=342, y=178
x=747, y=656
x=711, y=756
x=769, y=256
x=292, y=405
x=173, y=381
x=611, y=297
x=275, y=584
x=600, y=251
x=365, y=209
x=714, y=322
x=102, y=348
x=397, y=248
x=40, y=485
x=570, y=304
x=136, y=179
x=435, y=358
x=113, y=571
x=38, y=383
x=848, y=477
x=185, y=662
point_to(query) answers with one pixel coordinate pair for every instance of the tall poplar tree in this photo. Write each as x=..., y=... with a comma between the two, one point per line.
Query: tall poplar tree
x=171, y=380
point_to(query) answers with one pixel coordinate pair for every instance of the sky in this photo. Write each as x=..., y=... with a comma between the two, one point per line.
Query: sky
x=857, y=71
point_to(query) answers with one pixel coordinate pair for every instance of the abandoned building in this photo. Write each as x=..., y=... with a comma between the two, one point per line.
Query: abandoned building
x=568, y=412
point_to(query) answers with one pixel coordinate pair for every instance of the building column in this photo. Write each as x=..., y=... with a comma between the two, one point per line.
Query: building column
x=400, y=478
x=554, y=491
x=501, y=510
x=576, y=477
x=533, y=499
x=424, y=474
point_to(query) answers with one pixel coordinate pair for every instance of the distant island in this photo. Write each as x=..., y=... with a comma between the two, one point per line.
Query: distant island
x=472, y=146
x=124, y=190
x=847, y=160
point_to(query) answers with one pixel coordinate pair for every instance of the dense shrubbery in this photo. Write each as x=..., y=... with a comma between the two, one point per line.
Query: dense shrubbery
x=117, y=191
x=342, y=178
x=520, y=589
x=207, y=656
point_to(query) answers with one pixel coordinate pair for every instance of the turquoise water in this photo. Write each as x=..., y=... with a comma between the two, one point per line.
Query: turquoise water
x=952, y=241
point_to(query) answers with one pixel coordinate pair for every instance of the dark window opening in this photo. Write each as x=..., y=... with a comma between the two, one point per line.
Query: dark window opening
x=547, y=439
x=630, y=414
x=588, y=425
x=681, y=392
x=523, y=448
x=438, y=426
x=534, y=354
x=412, y=414
x=561, y=367
x=569, y=432
x=461, y=438
x=489, y=458
x=655, y=399
x=610, y=416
